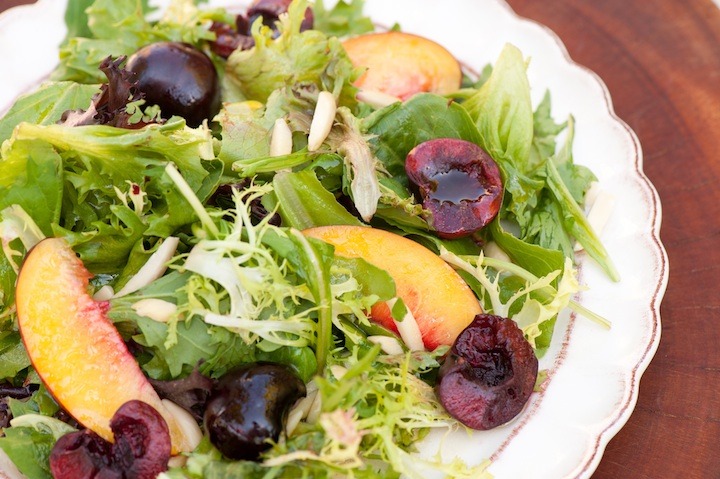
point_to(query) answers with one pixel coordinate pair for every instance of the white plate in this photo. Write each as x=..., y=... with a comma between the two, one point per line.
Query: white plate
x=593, y=373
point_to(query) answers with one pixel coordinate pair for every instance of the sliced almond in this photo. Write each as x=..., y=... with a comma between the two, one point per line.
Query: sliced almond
x=376, y=99
x=187, y=424
x=153, y=268
x=281, y=142
x=322, y=121
x=388, y=344
x=156, y=309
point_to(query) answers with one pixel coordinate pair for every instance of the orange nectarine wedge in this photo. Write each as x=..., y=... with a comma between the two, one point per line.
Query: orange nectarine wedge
x=401, y=64
x=441, y=302
x=75, y=349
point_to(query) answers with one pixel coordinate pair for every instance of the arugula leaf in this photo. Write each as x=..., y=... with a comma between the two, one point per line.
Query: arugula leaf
x=13, y=357
x=217, y=348
x=534, y=258
x=373, y=281
x=29, y=449
x=545, y=131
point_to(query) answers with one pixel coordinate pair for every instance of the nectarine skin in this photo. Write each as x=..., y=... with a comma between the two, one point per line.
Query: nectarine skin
x=401, y=64
x=75, y=349
x=441, y=302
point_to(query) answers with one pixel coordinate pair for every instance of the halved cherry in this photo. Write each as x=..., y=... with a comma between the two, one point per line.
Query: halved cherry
x=460, y=184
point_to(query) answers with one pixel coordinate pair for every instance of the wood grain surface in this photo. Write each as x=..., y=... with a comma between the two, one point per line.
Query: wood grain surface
x=661, y=62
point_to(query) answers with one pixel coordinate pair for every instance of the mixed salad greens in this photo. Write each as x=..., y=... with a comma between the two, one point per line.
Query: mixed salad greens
x=244, y=284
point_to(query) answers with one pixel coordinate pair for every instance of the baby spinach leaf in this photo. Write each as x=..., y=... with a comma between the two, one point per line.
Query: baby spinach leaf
x=400, y=127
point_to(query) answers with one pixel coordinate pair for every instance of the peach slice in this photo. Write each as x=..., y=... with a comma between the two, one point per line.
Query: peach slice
x=442, y=303
x=401, y=64
x=75, y=349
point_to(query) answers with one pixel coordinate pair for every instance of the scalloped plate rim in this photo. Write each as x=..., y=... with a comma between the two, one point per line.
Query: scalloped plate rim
x=587, y=462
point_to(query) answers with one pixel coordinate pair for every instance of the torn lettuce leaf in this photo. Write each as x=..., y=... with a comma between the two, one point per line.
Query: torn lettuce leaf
x=120, y=28
x=344, y=19
x=46, y=105
x=293, y=58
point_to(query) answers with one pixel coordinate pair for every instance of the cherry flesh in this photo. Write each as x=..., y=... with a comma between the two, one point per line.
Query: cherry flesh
x=489, y=373
x=141, y=449
x=459, y=183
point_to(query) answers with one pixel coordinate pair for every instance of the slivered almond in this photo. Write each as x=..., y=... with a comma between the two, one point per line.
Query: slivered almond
x=376, y=99
x=104, y=293
x=187, y=424
x=315, y=409
x=156, y=309
x=281, y=141
x=322, y=121
x=153, y=268
x=388, y=344
x=299, y=411
x=338, y=371
x=408, y=329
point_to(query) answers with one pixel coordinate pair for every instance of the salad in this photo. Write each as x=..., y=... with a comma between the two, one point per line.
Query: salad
x=265, y=244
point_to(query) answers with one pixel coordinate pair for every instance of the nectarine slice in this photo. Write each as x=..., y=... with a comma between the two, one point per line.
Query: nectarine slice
x=75, y=349
x=401, y=64
x=441, y=302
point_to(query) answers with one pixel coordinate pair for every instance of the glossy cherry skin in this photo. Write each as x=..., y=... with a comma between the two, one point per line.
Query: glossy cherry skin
x=179, y=78
x=249, y=406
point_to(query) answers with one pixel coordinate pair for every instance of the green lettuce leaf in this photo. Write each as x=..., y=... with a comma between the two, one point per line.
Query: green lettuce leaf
x=503, y=111
x=294, y=57
x=46, y=105
x=29, y=449
x=13, y=357
x=105, y=188
x=400, y=127
x=120, y=28
x=344, y=19
x=304, y=202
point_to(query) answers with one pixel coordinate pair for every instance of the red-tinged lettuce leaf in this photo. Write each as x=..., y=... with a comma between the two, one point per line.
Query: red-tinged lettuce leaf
x=116, y=104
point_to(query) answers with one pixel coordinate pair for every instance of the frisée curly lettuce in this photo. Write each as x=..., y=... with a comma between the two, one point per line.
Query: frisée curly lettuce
x=196, y=237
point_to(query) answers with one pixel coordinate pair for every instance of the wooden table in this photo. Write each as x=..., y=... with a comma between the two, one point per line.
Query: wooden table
x=661, y=62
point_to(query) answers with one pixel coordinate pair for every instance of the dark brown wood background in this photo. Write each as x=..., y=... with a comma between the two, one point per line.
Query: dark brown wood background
x=661, y=62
